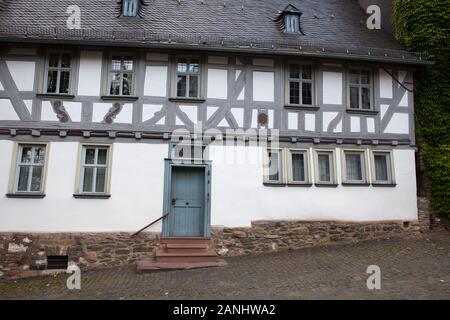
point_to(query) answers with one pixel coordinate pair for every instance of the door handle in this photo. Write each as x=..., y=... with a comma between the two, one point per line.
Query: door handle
x=173, y=201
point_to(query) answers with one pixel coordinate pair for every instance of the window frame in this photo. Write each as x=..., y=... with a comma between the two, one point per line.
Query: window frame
x=289, y=167
x=14, y=172
x=333, y=167
x=364, y=167
x=205, y=151
x=288, y=80
x=73, y=76
x=108, y=71
x=266, y=176
x=137, y=9
x=297, y=25
x=390, y=166
x=174, y=76
x=79, y=184
x=371, y=86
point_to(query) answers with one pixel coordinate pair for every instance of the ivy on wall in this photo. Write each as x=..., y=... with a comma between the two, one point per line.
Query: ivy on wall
x=424, y=26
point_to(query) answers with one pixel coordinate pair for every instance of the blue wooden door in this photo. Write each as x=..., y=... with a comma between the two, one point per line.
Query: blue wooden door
x=186, y=218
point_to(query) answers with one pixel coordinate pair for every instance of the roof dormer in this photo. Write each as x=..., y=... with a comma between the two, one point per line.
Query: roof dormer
x=289, y=20
x=131, y=8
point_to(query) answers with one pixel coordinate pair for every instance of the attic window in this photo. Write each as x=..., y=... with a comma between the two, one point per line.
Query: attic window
x=292, y=23
x=289, y=19
x=130, y=8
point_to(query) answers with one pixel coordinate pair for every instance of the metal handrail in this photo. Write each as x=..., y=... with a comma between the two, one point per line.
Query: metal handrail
x=149, y=225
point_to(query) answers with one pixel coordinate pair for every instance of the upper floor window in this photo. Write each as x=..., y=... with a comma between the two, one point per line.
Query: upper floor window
x=360, y=90
x=188, y=78
x=130, y=8
x=292, y=22
x=300, y=84
x=58, y=73
x=30, y=168
x=121, y=75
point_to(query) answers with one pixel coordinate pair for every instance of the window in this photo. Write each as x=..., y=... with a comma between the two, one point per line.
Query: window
x=273, y=166
x=130, y=8
x=58, y=73
x=325, y=168
x=298, y=165
x=300, y=84
x=188, y=78
x=292, y=23
x=382, y=172
x=121, y=74
x=94, y=169
x=354, y=167
x=30, y=169
x=360, y=89
x=186, y=150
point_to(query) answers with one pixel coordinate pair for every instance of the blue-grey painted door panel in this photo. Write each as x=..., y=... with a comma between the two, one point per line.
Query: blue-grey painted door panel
x=187, y=215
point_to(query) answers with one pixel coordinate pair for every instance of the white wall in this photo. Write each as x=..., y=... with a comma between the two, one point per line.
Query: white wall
x=137, y=192
x=238, y=195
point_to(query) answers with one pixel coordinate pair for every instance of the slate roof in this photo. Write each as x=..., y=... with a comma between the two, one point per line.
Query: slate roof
x=333, y=28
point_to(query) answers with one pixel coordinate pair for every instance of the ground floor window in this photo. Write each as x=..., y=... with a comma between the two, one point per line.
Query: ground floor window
x=325, y=173
x=273, y=166
x=30, y=168
x=354, y=167
x=382, y=170
x=94, y=169
x=298, y=166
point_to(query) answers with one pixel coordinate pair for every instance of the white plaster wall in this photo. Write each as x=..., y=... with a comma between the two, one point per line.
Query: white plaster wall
x=332, y=87
x=217, y=83
x=22, y=73
x=136, y=188
x=399, y=124
x=263, y=86
x=89, y=76
x=385, y=84
x=7, y=111
x=238, y=196
x=155, y=81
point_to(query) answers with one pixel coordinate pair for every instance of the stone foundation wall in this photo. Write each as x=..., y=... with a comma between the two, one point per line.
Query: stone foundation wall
x=25, y=254
x=266, y=236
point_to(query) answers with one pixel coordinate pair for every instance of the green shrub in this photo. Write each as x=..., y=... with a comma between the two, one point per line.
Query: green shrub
x=423, y=26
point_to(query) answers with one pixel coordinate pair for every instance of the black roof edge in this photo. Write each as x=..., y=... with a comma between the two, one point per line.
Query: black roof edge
x=212, y=48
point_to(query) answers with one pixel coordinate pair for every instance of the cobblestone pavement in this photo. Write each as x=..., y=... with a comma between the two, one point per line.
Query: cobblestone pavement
x=411, y=268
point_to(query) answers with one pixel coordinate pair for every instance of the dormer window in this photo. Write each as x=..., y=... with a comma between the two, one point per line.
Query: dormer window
x=130, y=8
x=289, y=19
x=292, y=23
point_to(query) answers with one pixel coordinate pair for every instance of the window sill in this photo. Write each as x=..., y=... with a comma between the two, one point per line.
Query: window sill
x=326, y=185
x=186, y=100
x=359, y=111
x=299, y=184
x=273, y=184
x=120, y=98
x=26, y=195
x=389, y=185
x=91, y=196
x=355, y=184
x=55, y=95
x=301, y=107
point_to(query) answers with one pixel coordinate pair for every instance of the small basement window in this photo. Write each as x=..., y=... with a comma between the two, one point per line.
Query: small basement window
x=57, y=262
